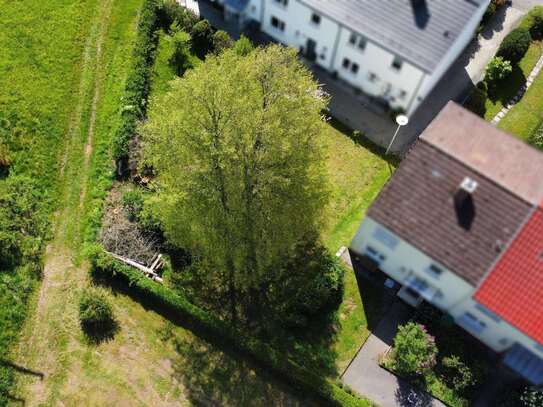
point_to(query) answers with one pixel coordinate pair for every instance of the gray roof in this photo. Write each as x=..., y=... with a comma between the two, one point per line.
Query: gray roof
x=420, y=31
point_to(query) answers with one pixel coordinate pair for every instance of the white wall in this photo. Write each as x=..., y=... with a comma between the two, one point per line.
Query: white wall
x=377, y=60
x=457, y=293
x=298, y=28
x=406, y=259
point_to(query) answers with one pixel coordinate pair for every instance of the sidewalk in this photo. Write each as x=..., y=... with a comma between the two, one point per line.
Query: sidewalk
x=365, y=376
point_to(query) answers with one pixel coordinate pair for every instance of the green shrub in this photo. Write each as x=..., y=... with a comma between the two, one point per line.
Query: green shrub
x=536, y=139
x=476, y=101
x=137, y=84
x=497, y=70
x=221, y=41
x=96, y=315
x=457, y=374
x=533, y=22
x=133, y=203
x=243, y=46
x=171, y=13
x=201, y=38
x=515, y=45
x=414, y=350
x=310, y=285
x=179, y=308
x=181, y=57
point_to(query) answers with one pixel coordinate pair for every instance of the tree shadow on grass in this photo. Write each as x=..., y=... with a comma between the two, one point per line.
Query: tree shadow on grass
x=508, y=88
x=95, y=335
x=214, y=378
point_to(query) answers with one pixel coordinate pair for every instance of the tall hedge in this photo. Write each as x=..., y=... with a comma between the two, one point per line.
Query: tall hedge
x=134, y=101
x=515, y=45
x=171, y=303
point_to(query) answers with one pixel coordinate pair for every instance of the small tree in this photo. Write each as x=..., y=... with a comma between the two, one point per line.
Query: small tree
x=202, y=38
x=497, y=70
x=180, y=59
x=415, y=350
x=243, y=46
x=515, y=45
x=221, y=41
x=96, y=314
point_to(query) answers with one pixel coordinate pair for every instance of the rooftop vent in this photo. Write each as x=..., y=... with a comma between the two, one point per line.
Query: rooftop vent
x=463, y=202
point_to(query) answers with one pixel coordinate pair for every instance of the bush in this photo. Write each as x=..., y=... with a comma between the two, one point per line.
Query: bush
x=536, y=139
x=181, y=57
x=176, y=306
x=414, y=351
x=457, y=374
x=202, y=38
x=221, y=41
x=476, y=101
x=96, y=315
x=133, y=204
x=497, y=70
x=533, y=22
x=243, y=46
x=137, y=84
x=310, y=285
x=527, y=396
x=515, y=45
x=170, y=12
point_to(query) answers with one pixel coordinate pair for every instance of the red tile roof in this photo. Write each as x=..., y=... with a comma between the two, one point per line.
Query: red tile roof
x=514, y=287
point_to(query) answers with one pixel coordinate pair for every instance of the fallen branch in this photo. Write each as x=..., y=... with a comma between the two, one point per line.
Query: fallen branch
x=146, y=270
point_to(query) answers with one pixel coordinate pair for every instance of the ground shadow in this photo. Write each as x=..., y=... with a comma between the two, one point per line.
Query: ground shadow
x=407, y=396
x=360, y=139
x=214, y=378
x=21, y=369
x=495, y=24
x=507, y=89
x=95, y=335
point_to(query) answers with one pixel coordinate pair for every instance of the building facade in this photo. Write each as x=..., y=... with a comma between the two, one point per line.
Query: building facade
x=459, y=226
x=393, y=50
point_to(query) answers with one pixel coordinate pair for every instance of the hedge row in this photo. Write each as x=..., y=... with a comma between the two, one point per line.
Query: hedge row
x=134, y=101
x=173, y=305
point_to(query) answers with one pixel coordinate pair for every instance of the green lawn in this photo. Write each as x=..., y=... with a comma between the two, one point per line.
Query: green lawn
x=358, y=172
x=527, y=115
x=498, y=97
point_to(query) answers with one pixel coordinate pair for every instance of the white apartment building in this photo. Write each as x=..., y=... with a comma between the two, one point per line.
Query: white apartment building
x=460, y=225
x=393, y=50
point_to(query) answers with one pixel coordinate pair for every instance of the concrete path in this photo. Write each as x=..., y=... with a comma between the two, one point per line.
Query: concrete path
x=364, y=374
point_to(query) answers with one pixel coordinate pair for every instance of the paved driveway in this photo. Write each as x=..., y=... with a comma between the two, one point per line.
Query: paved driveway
x=364, y=374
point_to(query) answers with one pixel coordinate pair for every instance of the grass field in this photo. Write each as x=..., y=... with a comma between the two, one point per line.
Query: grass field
x=508, y=89
x=149, y=362
x=527, y=115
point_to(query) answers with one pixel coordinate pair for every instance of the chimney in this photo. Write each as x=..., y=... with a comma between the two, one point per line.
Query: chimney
x=464, y=204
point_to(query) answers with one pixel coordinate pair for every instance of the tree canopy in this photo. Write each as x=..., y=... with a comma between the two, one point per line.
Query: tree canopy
x=237, y=148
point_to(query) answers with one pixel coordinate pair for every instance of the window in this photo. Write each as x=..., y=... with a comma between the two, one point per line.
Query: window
x=397, y=64
x=402, y=94
x=346, y=63
x=488, y=313
x=281, y=2
x=315, y=19
x=434, y=270
x=385, y=237
x=471, y=323
x=503, y=341
x=354, y=68
x=358, y=41
x=373, y=254
x=352, y=39
x=277, y=24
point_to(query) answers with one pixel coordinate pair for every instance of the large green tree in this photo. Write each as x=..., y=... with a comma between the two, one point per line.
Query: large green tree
x=237, y=148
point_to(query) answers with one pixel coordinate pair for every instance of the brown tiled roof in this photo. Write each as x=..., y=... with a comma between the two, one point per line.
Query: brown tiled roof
x=417, y=203
x=506, y=160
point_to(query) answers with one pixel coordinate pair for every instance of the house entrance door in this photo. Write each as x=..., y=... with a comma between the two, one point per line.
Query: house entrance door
x=311, y=49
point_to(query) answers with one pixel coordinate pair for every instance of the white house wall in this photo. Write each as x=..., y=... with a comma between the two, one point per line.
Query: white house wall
x=405, y=259
x=457, y=293
x=377, y=60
